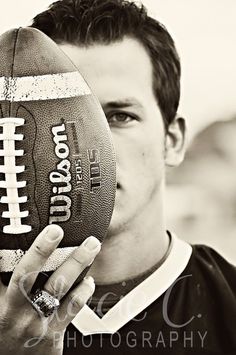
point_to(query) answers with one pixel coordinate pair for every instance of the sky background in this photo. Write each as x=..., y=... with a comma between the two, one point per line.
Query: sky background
x=205, y=36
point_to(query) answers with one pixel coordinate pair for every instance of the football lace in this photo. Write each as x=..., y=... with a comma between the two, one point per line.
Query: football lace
x=10, y=169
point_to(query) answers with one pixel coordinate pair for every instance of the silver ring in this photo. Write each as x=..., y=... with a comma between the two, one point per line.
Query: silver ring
x=44, y=303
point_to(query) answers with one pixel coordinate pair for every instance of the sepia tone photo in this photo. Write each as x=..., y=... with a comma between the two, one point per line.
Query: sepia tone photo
x=117, y=177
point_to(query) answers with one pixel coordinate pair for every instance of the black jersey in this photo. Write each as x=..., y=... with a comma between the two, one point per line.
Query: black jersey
x=196, y=314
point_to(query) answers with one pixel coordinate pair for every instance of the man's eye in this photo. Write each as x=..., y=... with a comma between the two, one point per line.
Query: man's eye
x=119, y=118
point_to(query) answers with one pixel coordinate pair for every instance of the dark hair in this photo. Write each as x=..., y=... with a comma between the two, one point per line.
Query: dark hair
x=85, y=22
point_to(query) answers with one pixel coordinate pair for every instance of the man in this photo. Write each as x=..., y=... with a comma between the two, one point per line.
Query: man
x=154, y=293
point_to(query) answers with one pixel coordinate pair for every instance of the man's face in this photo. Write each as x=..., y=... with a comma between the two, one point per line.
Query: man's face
x=120, y=75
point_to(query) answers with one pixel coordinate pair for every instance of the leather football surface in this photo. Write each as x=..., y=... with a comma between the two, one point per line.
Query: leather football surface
x=57, y=162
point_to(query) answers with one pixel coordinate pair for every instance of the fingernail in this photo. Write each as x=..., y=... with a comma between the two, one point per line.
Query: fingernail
x=53, y=232
x=89, y=279
x=91, y=262
x=91, y=243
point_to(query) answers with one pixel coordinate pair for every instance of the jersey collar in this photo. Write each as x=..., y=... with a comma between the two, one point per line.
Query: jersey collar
x=140, y=297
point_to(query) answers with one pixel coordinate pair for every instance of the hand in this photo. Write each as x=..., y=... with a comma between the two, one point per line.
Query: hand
x=22, y=329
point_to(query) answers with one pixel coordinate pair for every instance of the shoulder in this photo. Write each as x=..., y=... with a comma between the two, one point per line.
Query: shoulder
x=213, y=269
x=208, y=258
x=204, y=252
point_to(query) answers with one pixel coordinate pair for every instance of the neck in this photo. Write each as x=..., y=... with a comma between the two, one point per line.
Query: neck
x=135, y=250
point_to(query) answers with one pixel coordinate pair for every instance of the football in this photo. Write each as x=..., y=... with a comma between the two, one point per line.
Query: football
x=57, y=161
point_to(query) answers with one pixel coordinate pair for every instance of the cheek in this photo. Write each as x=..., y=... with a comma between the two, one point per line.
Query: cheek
x=140, y=155
x=153, y=145
x=152, y=158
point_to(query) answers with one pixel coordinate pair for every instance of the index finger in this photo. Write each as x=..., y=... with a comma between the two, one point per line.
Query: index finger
x=32, y=262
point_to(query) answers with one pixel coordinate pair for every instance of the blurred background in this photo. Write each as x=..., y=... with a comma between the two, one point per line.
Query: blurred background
x=201, y=193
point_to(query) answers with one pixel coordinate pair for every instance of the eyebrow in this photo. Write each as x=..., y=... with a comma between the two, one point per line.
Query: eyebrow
x=122, y=103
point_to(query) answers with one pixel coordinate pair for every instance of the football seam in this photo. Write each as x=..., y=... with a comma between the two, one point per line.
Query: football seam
x=13, y=62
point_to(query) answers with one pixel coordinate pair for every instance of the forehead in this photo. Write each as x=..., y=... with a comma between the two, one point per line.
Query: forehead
x=113, y=70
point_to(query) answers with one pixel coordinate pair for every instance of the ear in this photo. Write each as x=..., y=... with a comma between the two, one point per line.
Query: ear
x=175, y=142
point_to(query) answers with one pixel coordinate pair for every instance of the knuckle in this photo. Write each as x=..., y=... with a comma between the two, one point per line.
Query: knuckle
x=82, y=257
x=77, y=301
x=51, y=288
x=9, y=321
x=5, y=321
x=56, y=286
x=18, y=274
x=41, y=250
x=80, y=296
x=22, y=278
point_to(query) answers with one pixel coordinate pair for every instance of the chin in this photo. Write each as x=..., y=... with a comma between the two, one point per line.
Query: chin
x=119, y=222
x=121, y=214
x=114, y=228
